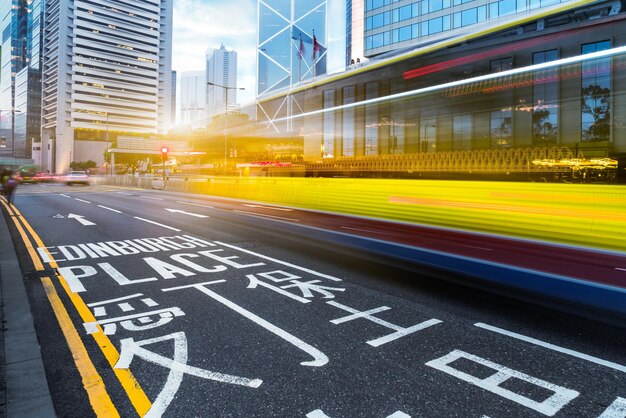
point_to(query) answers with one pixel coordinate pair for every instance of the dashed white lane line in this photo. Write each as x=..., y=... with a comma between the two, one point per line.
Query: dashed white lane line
x=553, y=347
x=261, y=215
x=125, y=194
x=156, y=223
x=150, y=197
x=620, y=269
x=195, y=204
x=268, y=207
x=64, y=195
x=81, y=200
x=111, y=209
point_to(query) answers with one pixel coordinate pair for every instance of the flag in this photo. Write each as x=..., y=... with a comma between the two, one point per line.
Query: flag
x=316, y=46
x=301, y=49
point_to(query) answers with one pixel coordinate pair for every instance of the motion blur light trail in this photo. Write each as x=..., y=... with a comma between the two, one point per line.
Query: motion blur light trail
x=577, y=214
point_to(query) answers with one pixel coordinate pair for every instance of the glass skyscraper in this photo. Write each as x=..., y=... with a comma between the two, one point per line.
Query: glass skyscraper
x=20, y=79
x=283, y=61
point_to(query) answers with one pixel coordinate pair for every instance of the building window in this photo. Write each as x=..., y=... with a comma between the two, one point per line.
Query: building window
x=329, y=125
x=462, y=132
x=428, y=135
x=375, y=4
x=596, y=94
x=501, y=128
x=545, y=100
x=348, y=122
x=503, y=64
x=371, y=120
x=377, y=21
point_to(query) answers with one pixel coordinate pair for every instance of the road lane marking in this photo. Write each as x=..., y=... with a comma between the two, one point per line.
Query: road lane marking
x=92, y=382
x=125, y=194
x=619, y=268
x=150, y=197
x=81, y=200
x=186, y=213
x=156, y=223
x=195, y=204
x=64, y=195
x=262, y=215
x=268, y=207
x=135, y=393
x=553, y=347
x=285, y=263
x=319, y=358
x=111, y=209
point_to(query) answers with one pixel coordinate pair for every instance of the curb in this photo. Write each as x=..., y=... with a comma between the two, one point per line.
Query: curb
x=27, y=391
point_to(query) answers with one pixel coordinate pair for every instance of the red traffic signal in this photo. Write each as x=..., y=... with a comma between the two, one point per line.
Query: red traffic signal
x=164, y=150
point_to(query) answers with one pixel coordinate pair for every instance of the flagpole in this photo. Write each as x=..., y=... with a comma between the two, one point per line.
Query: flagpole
x=314, y=50
x=300, y=53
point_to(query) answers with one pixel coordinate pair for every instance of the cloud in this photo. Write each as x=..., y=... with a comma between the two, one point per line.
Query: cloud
x=200, y=24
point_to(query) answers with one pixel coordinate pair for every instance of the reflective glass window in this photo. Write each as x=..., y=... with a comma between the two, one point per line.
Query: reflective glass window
x=596, y=94
x=545, y=100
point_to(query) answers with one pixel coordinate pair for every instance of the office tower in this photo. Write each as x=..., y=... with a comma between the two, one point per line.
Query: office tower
x=286, y=47
x=391, y=25
x=20, y=75
x=106, y=73
x=355, y=20
x=193, y=96
x=221, y=72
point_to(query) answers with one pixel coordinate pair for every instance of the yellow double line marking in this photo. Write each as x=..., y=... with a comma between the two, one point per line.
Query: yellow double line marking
x=93, y=383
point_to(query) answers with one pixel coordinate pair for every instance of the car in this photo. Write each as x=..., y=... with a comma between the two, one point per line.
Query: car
x=43, y=177
x=76, y=177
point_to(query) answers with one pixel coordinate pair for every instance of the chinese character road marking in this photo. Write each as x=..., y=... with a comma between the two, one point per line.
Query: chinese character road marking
x=550, y=406
x=400, y=331
x=178, y=368
x=319, y=358
x=616, y=410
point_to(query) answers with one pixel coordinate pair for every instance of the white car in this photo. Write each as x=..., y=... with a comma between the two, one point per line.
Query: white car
x=76, y=177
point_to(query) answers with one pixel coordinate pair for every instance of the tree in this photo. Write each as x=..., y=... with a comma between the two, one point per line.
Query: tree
x=596, y=108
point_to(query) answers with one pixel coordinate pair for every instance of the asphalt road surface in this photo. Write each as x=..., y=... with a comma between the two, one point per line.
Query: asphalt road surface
x=155, y=303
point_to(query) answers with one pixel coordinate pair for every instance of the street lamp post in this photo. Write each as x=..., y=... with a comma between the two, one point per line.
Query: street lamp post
x=226, y=88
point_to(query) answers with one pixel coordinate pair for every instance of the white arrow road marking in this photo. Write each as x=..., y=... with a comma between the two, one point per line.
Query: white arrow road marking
x=186, y=213
x=268, y=207
x=80, y=219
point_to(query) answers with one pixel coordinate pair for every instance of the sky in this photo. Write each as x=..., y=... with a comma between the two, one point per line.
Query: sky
x=202, y=24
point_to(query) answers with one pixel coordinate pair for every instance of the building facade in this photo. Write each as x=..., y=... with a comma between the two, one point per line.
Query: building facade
x=193, y=96
x=391, y=24
x=20, y=78
x=221, y=72
x=106, y=71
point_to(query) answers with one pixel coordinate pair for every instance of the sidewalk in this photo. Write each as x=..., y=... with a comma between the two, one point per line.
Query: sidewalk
x=24, y=389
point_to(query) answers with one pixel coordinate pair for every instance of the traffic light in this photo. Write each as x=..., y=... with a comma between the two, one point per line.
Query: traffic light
x=164, y=151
